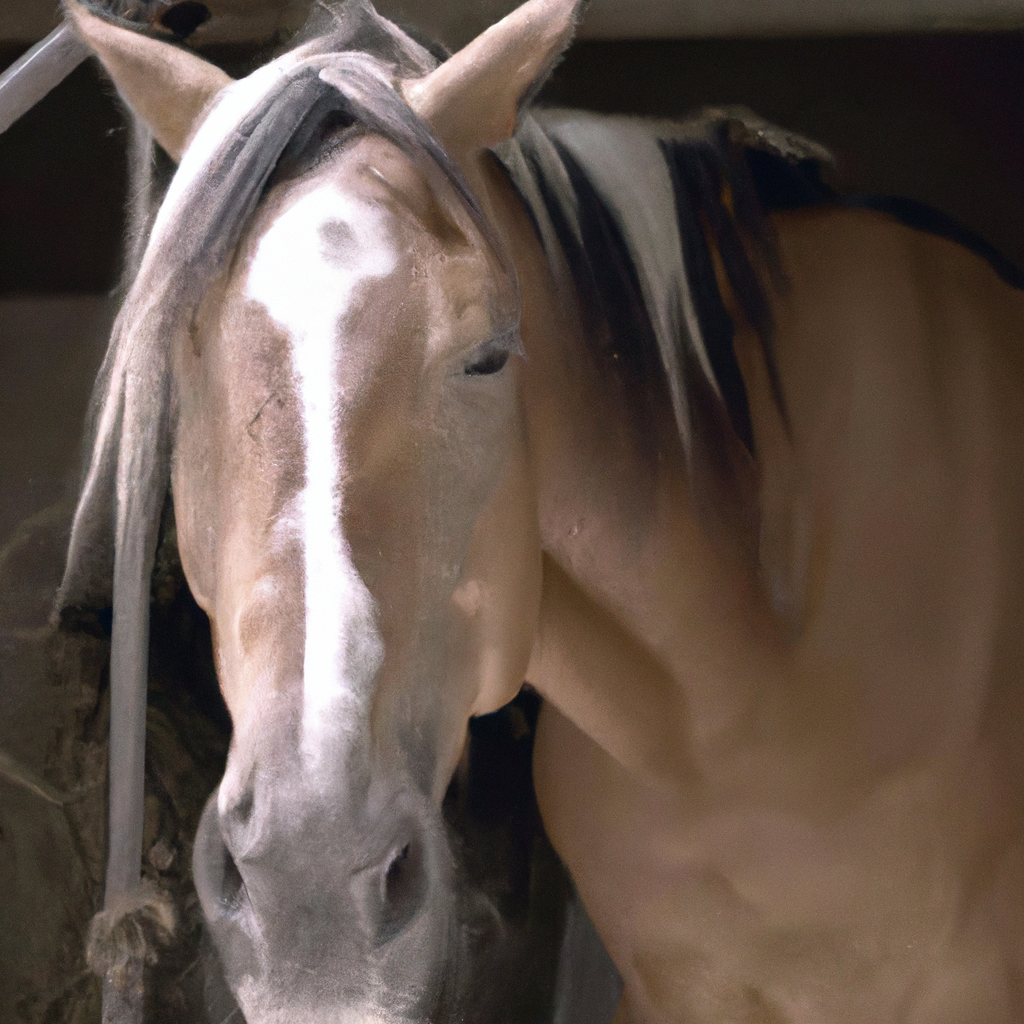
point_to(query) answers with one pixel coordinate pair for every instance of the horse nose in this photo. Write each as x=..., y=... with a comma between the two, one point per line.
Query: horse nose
x=396, y=888
x=387, y=896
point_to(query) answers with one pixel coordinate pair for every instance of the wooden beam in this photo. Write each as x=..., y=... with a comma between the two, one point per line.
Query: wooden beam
x=458, y=21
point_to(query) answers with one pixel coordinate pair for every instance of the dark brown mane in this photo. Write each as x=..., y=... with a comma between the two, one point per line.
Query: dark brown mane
x=711, y=200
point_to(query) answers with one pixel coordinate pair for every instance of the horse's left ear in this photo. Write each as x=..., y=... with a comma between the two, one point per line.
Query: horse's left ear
x=472, y=101
x=169, y=88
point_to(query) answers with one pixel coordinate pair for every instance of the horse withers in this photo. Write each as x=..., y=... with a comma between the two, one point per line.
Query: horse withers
x=738, y=495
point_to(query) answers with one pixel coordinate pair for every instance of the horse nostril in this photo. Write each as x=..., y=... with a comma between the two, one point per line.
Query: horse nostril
x=232, y=885
x=219, y=883
x=397, y=877
x=403, y=889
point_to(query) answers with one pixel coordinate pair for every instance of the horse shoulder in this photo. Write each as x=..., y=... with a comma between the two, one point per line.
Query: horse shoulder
x=892, y=508
x=891, y=340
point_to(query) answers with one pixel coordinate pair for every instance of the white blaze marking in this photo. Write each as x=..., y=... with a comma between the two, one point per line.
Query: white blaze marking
x=308, y=295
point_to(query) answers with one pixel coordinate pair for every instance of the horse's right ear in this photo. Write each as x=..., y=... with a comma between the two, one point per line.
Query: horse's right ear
x=169, y=88
x=473, y=100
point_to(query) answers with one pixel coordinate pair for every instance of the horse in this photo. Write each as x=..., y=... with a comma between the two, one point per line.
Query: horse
x=450, y=397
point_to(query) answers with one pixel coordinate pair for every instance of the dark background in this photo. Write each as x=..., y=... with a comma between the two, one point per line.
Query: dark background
x=937, y=117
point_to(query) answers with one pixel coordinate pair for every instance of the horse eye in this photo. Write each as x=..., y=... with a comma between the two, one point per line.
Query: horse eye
x=493, y=354
x=491, y=362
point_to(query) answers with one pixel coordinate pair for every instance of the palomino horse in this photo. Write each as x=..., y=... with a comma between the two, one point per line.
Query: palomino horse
x=739, y=495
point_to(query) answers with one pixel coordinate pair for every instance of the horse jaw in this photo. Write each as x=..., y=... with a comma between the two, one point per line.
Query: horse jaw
x=169, y=88
x=472, y=101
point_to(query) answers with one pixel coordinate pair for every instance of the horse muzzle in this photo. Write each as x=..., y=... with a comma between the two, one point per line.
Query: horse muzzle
x=311, y=920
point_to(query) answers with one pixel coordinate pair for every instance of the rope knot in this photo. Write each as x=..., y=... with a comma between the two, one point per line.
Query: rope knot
x=128, y=932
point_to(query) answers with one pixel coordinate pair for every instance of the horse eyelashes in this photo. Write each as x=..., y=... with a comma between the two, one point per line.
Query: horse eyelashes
x=493, y=355
x=491, y=362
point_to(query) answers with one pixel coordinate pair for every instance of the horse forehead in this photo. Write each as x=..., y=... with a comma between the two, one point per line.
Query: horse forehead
x=318, y=248
x=370, y=217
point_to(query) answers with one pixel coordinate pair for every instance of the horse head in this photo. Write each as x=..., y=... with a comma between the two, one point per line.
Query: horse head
x=353, y=496
x=353, y=507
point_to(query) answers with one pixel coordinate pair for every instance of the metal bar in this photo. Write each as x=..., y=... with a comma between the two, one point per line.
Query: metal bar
x=38, y=71
x=123, y=994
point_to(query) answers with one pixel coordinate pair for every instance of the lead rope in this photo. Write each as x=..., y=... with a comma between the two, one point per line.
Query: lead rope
x=117, y=946
x=136, y=917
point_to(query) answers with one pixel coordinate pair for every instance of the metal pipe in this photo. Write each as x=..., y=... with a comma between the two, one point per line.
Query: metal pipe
x=38, y=71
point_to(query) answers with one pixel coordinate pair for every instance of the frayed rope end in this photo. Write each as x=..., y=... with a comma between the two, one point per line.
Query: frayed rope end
x=129, y=931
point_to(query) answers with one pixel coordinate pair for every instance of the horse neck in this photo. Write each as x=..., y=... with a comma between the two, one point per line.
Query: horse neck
x=621, y=536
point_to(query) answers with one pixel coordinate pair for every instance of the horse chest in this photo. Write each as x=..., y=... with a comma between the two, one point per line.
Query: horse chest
x=751, y=853
x=729, y=906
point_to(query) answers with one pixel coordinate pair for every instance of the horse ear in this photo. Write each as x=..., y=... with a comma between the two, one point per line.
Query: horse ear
x=472, y=101
x=167, y=87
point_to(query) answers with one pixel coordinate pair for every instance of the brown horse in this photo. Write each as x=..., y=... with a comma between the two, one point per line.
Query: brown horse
x=739, y=494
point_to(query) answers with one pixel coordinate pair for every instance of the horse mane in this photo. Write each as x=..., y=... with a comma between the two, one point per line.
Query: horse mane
x=632, y=214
